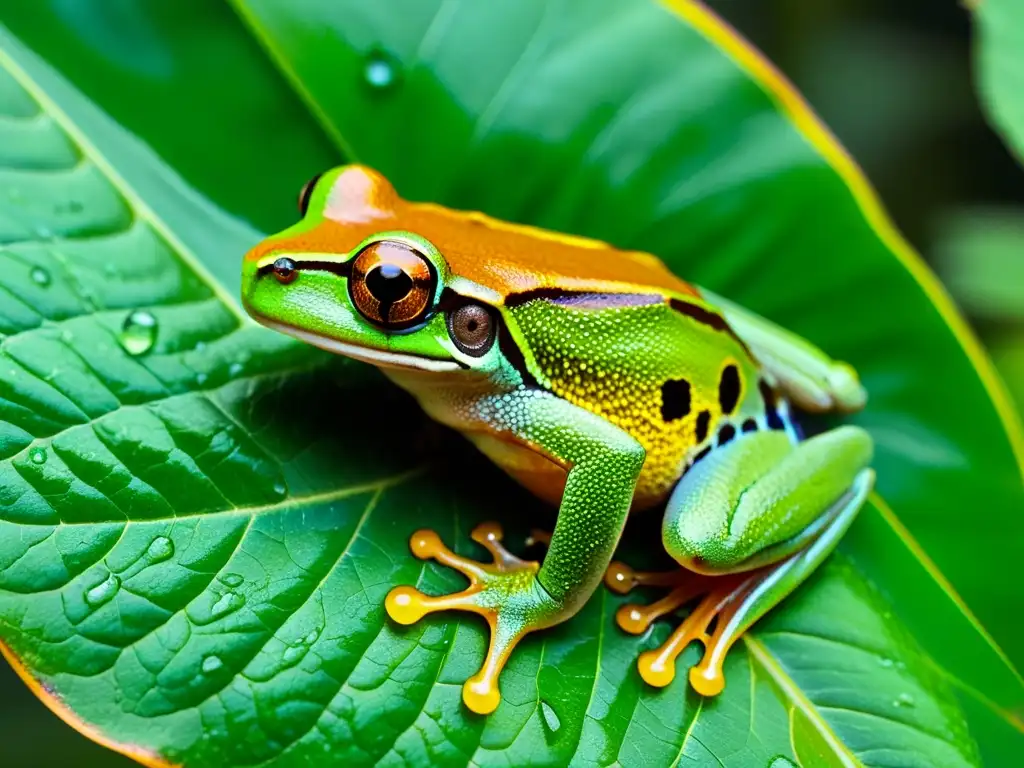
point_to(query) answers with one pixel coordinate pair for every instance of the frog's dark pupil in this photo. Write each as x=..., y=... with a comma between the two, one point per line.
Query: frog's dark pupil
x=388, y=283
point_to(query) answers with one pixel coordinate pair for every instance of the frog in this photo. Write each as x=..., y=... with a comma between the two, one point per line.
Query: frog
x=606, y=386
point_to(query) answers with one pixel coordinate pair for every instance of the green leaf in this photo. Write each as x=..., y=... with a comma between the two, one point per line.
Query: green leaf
x=999, y=62
x=227, y=453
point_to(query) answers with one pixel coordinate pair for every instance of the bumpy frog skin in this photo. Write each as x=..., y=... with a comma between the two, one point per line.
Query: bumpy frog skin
x=601, y=382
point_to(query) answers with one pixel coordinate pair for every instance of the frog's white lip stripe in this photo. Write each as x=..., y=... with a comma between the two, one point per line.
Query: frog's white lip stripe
x=373, y=356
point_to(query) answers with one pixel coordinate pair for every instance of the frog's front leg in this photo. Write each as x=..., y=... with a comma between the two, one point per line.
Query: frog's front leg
x=516, y=596
x=753, y=520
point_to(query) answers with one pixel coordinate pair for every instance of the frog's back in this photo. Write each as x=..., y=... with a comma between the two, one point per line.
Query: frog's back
x=670, y=372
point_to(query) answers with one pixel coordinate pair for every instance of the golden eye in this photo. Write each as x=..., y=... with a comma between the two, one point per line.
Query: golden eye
x=472, y=328
x=392, y=284
x=306, y=193
x=284, y=270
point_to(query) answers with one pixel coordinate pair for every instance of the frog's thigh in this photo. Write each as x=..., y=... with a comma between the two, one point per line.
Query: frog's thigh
x=761, y=498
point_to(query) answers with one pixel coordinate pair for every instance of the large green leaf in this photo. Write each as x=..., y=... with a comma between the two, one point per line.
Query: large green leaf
x=999, y=56
x=167, y=476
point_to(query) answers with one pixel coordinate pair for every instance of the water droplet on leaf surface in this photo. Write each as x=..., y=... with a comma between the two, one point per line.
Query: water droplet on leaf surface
x=904, y=700
x=550, y=716
x=229, y=602
x=40, y=276
x=37, y=455
x=138, y=332
x=231, y=579
x=211, y=664
x=160, y=549
x=293, y=654
x=103, y=592
x=381, y=71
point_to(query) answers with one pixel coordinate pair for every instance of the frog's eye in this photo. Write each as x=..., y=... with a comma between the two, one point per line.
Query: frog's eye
x=306, y=193
x=391, y=284
x=472, y=328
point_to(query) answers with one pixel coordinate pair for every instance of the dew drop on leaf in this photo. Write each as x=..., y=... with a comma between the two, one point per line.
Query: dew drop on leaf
x=550, y=717
x=37, y=455
x=229, y=602
x=887, y=663
x=231, y=579
x=103, y=592
x=280, y=489
x=781, y=762
x=40, y=276
x=160, y=549
x=211, y=664
x=380, y=71
x=293, y=654
x=234, y=369
x=138, y=332
x=904, y=700
x=201, y=379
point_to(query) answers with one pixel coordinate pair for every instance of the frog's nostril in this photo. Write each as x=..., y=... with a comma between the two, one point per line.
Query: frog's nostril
x=388, y=283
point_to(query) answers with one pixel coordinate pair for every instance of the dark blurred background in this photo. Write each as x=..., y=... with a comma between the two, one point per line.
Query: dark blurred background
x=894, y=82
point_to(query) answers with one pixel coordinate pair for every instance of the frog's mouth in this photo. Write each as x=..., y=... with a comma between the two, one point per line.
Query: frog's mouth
x=379, y=357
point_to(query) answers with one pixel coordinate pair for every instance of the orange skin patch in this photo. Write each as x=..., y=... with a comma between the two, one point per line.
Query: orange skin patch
x=506, y=258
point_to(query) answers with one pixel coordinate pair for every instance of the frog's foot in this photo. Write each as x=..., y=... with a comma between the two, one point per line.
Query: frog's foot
x=505, y=592
x=724, y=598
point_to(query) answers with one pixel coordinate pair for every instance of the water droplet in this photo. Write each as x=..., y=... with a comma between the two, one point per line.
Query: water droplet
x=211, y=664
x=904, y=700
x=234, y=369
x=199, y=347
x=381, y=71
x=40, y=276
x=887, y=663
x=160, y=549
x=229, y=602
x=37, y=455
x=201, y=378
x=103, y=592
x=550, y=717
x=311, y=637
x=781, y=761
x=138, y=332
x=231, y=579
x=293, y=654
x=280, y=488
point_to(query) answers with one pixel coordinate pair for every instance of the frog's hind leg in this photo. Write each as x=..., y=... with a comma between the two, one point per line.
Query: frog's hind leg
x=754, y=522
x=809, y=377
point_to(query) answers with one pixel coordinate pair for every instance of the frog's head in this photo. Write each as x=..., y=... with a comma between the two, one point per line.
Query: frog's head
x=355, y=278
